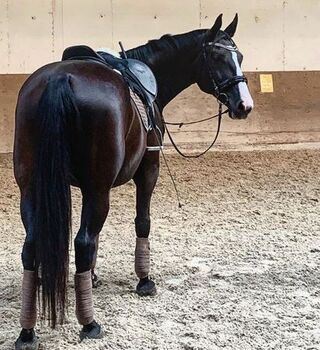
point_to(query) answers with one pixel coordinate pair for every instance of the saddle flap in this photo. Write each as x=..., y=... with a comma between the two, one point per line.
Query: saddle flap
x=79, y=51
x=144, y=74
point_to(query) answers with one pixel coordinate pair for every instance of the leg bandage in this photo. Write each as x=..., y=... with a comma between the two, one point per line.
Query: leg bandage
x=28, y=315
x=142, y=257
x=84, y=302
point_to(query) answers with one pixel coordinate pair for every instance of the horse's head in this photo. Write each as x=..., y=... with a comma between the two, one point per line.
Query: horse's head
x=219, y=71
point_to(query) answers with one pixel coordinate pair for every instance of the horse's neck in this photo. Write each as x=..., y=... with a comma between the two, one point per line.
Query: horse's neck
x=172, y=82
x=174, y=68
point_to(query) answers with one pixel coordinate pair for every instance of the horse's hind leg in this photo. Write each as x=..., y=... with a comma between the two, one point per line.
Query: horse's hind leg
x=94, y=212
x=145, y=180
x=27, y=338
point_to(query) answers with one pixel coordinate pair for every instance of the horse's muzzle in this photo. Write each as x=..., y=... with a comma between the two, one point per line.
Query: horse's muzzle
x=241, y=111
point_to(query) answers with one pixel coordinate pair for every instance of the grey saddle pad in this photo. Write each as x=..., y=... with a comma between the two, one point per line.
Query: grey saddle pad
x=141, y=110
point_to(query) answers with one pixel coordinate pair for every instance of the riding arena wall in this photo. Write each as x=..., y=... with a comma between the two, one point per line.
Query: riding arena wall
x=279, y=41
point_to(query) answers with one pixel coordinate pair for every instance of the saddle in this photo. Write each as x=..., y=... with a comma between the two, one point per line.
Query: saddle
x=137, y=75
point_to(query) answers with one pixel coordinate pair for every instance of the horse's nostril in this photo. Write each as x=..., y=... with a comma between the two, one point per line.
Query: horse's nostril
x=243, y=108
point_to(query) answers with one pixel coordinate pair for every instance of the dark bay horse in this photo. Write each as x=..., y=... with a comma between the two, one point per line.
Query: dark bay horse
x=76, y=125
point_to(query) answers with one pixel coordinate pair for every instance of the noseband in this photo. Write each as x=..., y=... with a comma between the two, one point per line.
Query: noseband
x=221, y=88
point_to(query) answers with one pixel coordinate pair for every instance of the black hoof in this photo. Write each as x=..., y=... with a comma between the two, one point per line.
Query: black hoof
x=27, y=341
x=96, y=282
x=146, y=287
x=91, y=331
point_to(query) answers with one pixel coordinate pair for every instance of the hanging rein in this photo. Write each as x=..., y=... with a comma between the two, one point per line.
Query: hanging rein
x=218, y=115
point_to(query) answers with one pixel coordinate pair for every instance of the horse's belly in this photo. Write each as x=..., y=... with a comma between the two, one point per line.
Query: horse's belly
x=136, y=144
x=129, y=169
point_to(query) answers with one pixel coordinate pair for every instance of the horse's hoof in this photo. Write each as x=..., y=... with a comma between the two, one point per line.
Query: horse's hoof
x=27, y=341
x=91, y=331
x=96, y=281
x=146, y=287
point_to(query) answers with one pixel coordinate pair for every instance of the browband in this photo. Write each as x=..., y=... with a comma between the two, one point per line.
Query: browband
x=227, y=47
x=221, y=88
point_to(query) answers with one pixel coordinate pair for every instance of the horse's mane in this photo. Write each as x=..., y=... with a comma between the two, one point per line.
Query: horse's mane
x=166, y=47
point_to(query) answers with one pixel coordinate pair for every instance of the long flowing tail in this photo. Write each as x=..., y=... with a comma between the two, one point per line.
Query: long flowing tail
x=52, y=220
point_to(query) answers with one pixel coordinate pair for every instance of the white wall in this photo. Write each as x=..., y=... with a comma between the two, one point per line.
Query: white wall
x=274, y=35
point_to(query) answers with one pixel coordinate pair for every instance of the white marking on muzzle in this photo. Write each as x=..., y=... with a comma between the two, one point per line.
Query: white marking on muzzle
x=243, y=88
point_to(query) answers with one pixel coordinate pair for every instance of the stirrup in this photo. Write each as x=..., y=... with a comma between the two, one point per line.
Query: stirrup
x=154, y=148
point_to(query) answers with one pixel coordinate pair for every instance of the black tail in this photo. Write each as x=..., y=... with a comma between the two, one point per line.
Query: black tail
x=52, y=221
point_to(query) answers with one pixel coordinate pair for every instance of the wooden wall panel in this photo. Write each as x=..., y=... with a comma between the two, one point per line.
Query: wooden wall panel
x=289, y=115
x=4, y=37
x=87, y=22
x=145, y=20
x=259, y=35
x=29, y=34
x=273, y=35
x=9, y=87
x=301, y=27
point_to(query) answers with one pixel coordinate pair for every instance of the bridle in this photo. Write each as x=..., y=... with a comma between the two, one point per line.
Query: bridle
x=221, y=88
x=219, y=91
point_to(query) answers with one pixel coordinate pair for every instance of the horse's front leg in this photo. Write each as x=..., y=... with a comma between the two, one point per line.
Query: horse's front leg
x=145, y=180
x=94, y=212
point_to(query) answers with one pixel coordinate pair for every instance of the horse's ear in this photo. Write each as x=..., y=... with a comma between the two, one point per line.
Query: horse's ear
x=212, y=33
x=232, y=27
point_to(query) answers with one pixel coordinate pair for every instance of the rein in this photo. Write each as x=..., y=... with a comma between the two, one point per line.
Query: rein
x=181, y=124
x=219, y=115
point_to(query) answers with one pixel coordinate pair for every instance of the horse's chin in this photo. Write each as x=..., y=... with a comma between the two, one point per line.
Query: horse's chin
x=233, y=115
